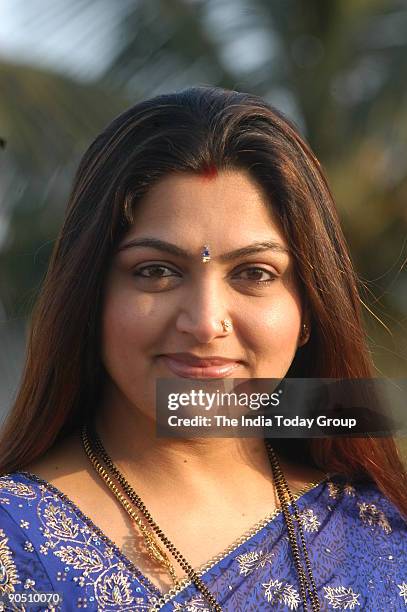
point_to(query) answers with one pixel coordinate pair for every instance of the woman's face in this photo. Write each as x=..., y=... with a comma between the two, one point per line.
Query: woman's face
x=160, y=302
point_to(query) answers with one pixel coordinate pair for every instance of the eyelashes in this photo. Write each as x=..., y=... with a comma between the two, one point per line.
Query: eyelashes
x=158, y=274
x=156, y=271
x=261, y=271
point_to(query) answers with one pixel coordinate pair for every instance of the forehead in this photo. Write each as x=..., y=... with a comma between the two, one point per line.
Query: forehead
x=229, y=204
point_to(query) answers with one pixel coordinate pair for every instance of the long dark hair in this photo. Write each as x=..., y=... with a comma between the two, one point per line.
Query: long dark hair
x=191, y=131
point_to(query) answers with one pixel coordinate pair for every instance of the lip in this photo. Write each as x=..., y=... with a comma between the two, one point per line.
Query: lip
x=191, y=366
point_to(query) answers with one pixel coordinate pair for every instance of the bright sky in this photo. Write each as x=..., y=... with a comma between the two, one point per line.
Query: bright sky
x=79, y=36
x=47, y=33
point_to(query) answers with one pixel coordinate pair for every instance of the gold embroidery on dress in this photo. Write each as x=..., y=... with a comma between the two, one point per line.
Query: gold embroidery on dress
x=77, y=547
x=250, y=561
x=403, y=591
x=110, y=585
x=342, y=598
x=370, y=515
x=309, y=520
x=8, y=570
x=335, y=489
x=58, y=524
x=349, y=490
x=80, y=558
x=17, y=488
x=278, y=592
x=196, y=604
x=114, y=590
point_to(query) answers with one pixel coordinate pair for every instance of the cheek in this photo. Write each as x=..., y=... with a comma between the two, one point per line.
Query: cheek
x=275, y=329
x=126, y=328
x=129, y=329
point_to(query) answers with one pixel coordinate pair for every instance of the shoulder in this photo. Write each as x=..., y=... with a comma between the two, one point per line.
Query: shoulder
x=17, y=494
x=19, y=498
x=49, y=545
x=25, y=503
x=18, y=490
x=358, y=539
x=19, y=563
x=364, y=502
x=14, y=482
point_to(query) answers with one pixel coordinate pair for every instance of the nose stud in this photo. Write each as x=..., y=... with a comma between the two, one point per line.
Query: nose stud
x=227, y=325
x=205, y=255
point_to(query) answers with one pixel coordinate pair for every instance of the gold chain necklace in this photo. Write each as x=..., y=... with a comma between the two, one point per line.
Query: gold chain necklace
x=189, y=570
x=283, y=491
x=94, y=449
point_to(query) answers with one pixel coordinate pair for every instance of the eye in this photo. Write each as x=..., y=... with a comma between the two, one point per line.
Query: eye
x=160, y=276
x=154, y=272
x=256, y=275
x=155, y=277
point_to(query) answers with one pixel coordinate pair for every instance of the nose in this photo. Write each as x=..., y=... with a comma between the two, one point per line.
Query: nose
x=203, y=312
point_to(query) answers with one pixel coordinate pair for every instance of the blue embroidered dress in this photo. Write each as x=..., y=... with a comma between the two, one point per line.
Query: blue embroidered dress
x=357, y=542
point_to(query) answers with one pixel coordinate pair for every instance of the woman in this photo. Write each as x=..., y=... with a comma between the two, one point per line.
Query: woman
x=200, y=240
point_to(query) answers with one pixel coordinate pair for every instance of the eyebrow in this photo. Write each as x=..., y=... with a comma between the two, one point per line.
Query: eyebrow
x=173, y=249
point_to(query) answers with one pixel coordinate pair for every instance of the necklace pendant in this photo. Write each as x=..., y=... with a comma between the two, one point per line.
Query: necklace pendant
x=155, y=551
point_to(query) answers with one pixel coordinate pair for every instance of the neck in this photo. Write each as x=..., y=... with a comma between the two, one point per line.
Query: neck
x=199, y=467
x=180, y=463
